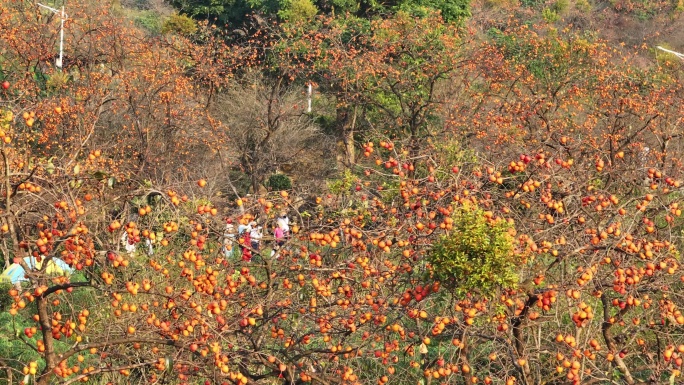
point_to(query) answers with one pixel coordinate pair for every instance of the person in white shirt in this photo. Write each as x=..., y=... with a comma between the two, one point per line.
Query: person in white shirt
x=284, y=223
x=228, y=240
x=150, y=248
x=129, y=246
x=242, y=229
x=255, y=236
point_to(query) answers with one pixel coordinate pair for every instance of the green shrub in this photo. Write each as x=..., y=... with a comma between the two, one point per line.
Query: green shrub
x=477, y=256
x=13, y=350
x=560, y=6
x=57, y=81
x=298, y=10
x=342, y=185
x=148, y=20
x=583, y=5
x=5, y=298
x=531, y=3
x=550, y=15
x=179, y=24
x=278, y=182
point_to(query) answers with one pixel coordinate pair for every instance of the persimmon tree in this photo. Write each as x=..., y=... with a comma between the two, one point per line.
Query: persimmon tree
x=56, y=126
x=119, y=89
x=270, y=132
x=604, y=225
x=537, y=243
x=354, y=296
x=384, y=75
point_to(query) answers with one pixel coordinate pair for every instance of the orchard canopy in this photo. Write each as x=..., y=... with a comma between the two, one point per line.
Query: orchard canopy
x=498, y=206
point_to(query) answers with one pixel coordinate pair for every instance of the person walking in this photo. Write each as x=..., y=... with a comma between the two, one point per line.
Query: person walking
x=128, y=243
x=279, y=236
x=243, y=227
x=229, y=240
x=246, y=247
x=284, y=223
x=244, y=231
x=255, y=236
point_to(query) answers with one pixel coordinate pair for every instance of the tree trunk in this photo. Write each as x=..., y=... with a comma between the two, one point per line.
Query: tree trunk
x=46, y=329
x=350, y=149
x=346, y=124
x=255, y=183
x=15, y=251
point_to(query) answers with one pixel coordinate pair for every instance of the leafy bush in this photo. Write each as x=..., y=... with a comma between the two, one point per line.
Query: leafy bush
x=344, y=184
x=5, y=298
x=550, y=15
x=179, y=24
x=531, y=3
x=583, y=5
x=298, y=10
x=560, y=6
x=476, y=256
x=57, y=81
x=14, y=351
x=148, y=20
x=450, y=10
x=279, y=182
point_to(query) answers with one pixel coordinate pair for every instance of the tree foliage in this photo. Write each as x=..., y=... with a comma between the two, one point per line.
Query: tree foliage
x=476, y=256
x=279, y=182
x=235, y=13
x=179, y=24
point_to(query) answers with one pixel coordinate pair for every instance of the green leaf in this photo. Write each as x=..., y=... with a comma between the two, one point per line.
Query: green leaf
x=100, y=175
x=49, y=167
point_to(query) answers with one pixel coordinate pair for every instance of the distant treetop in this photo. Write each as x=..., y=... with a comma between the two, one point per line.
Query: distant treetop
x=235, y=12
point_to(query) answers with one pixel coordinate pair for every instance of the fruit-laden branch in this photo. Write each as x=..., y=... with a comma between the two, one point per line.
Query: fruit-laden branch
x=23, y=180
x=105, y=370
x=605, y=330
x=81, y=347
x=62, y=287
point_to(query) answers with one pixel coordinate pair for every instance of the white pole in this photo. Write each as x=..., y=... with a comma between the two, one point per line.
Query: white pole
x=63, y=16
x=61, y=42
x=679, y=55
x=309, y=91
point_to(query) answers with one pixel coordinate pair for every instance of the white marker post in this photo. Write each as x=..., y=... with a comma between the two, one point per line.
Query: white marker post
x=63, y=16
x=679, y=55
x=309, y=92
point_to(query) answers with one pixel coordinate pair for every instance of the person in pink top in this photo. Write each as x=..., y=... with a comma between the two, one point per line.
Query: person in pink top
x=279, y=235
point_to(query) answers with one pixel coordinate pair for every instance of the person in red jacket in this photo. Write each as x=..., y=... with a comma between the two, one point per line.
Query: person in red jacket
x=246, y=247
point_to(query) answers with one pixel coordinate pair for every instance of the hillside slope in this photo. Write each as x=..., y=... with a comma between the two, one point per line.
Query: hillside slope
x=624, y=24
